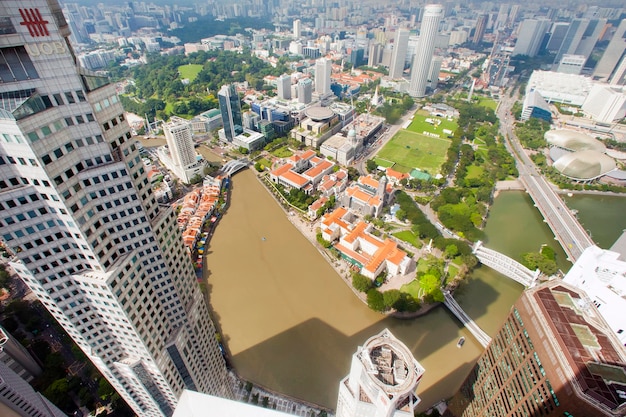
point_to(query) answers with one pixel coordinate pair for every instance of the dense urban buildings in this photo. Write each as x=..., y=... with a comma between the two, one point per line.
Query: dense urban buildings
x=554, y=356
x=87, y=234
x=382, y=381
x=421, y=68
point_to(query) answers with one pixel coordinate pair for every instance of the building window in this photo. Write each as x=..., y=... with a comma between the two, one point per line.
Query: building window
x=15, y=65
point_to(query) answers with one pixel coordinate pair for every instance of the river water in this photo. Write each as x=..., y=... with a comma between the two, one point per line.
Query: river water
x=601, y=215
x=292, y=325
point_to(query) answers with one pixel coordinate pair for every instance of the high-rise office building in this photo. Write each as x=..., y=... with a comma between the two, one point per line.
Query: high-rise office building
x=479, y=31
x=18, y=398
x=375, y=56
x=590, y=37
x=574, y=34
x=230, y=107
x=86, y=231
x=16, y=357
x=531, y=34
x=398, y=57
x=553, y=356
x=382, y=381
x=297, y=28
x=323, y=69
x=284, y=87
x=557, y=35
x=305, y=91
x=613, y=54
x=424, y=54
x=179, y=140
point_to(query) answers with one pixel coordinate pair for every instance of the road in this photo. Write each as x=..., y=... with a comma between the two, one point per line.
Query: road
x=570, y=234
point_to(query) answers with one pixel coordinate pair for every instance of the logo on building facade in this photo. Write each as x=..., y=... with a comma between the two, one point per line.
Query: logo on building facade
x=34, y=22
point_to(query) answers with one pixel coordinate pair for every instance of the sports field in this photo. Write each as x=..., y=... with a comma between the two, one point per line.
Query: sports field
x=436, y=125
x=411, y=150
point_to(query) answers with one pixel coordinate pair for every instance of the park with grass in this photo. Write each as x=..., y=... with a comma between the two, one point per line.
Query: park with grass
x=189, y=71
x=408, y=150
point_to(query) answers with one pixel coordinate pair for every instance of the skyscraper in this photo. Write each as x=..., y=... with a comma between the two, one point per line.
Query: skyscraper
x=574, y=34
x=323, y=69
x=424, y=55
x=305, y=91
x=530, y=36
x=382, y=381
x=479, y=31
x=231, y=111
x=87, y=234
x=553, y=356
x=297, y=28
x=400, y=47
x=613, y=54
x=284, y=87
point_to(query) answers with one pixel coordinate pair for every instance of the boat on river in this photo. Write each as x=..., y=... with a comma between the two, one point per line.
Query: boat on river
x=460, y=342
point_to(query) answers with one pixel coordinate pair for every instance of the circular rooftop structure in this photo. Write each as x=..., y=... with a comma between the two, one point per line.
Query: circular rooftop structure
x=584, y=165
x=573, y=141
x=390, y=364
x=319, y=114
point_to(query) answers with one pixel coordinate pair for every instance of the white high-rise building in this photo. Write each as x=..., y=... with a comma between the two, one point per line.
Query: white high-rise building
x=297, y=28
x=531, y=33
x=284, y=87
x=424, y=54
x=382, y=381
x=613, y=54
x=180, y=142
x=400, y=47
x=323, y=69
x=86, y=231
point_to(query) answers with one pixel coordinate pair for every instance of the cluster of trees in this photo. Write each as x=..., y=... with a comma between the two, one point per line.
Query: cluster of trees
x=545, y=260
x=392, y=110
x=158, y=81
x=423, y=228
x=531, y=133
x=458, y=210
x=206, y=27
x=384, y=301
x=296, y=197
x=430, y=279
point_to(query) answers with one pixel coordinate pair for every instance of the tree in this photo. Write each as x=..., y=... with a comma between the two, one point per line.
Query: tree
x=451, y=251
x=390, y=298
x=57, y=392
x=375, y=300
x=401, y=215
x=361, y=282
x=371, y=165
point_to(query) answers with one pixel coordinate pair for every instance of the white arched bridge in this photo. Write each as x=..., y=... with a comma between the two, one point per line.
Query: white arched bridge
x=234, y=165
x=505, y=265
x=501, y=263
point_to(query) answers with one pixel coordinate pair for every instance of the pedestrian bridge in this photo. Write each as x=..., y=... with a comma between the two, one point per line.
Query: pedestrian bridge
x=505, y=265
x=232, y=166
x=470, y=324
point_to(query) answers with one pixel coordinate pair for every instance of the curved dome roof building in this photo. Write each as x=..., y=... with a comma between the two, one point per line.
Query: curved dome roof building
x=585, y=165
x=573, y=141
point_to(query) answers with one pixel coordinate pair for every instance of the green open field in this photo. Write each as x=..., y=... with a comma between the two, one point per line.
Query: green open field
x=411, y=150
x=282, y=152
x=474, y=171
x=409, y=237
x=413, y=288
x=189, y=71
x=419, y=124
x=487, y=102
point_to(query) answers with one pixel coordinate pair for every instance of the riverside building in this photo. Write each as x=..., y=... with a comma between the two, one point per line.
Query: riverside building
x=554, y=356
x=87, y=234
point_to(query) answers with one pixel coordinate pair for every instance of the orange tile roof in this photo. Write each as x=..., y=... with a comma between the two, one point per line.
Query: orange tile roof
x=356, y=232
x=334, y=216
x=380, y=255
x=363, y=259
x=318, y=169
x=369, y=181
x=318, y=203
x=294, y=178
x=282, y=169
x=308, y=154
x=395, y=174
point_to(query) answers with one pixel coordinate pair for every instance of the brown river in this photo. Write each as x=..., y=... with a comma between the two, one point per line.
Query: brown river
x=291, y=324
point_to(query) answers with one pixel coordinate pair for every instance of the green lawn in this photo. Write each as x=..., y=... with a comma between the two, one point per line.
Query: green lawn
x=189, y=71
x=383, y=162
x=413, y=288
x=474, y=171
x=409, y=237
x=488, y=102
x=452, y=271
x=266, y=164
x=411, y=150
x=420, y=125
x=282, y=152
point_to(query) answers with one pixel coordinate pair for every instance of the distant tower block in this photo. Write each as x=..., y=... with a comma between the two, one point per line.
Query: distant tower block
x=400, y=47
x=424, y=54
x=382, y=381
